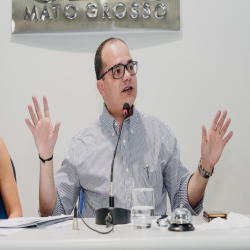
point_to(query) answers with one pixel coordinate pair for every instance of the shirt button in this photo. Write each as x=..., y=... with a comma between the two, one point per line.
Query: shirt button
x=132, y=132
x=124, y=142
x=127, y=170
x=115, y=123
x=113, y=134
x=129, y=199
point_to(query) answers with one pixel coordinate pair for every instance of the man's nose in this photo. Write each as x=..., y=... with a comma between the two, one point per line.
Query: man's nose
x=126, y=75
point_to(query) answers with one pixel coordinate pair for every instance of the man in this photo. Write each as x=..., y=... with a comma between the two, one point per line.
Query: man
x=147, y=156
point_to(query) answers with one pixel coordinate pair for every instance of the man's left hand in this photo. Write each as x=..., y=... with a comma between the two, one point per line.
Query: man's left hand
x=213, y=142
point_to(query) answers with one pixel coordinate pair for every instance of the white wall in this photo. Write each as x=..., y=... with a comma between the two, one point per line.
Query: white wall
x=184, y=78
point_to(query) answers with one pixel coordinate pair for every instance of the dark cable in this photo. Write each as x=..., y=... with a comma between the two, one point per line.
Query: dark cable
x=127, y=108
x=112, y=165
x=108, y=224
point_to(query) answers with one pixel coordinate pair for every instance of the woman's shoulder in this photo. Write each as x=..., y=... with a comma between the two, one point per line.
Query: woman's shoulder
x=3, y=150
x=2, y=144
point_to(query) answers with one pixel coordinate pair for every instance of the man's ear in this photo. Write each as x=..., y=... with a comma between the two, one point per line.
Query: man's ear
x=100, y=86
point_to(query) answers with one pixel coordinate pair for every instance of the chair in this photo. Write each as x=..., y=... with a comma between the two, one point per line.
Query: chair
x=3, y=214
x=80, y=205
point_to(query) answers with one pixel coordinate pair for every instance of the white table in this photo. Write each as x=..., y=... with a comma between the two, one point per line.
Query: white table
x=126, y=237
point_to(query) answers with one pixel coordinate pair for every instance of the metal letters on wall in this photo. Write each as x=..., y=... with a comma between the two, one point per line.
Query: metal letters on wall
x=30, y=16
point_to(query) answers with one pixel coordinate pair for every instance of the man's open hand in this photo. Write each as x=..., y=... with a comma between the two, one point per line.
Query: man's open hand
x=214, y=141
x=42, y=130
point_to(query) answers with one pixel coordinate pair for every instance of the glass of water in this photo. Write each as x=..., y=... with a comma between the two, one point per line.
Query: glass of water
x=142, y=210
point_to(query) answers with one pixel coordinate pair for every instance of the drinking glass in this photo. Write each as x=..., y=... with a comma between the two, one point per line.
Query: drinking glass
x=142, y=210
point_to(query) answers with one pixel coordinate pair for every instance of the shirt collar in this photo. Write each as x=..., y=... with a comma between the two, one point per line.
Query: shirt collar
x=113, y=125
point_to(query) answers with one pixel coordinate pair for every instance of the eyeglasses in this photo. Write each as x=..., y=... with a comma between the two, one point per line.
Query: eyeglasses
x=119, y=70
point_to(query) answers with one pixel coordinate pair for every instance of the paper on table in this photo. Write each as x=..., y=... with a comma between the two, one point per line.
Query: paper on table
x=18, y=222
x=233, y=220
x=64, y=223
x=23, y=222
x=47, y=221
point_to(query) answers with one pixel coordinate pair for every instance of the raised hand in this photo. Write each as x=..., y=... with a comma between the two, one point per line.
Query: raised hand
x=42, y=130
x=214, y=141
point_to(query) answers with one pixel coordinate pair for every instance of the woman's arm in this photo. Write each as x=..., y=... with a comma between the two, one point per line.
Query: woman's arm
x=8, y=188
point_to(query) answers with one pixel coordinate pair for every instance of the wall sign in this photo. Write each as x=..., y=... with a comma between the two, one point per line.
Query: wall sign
x=29, y=16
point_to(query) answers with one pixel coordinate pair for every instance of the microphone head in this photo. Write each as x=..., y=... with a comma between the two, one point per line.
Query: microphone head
x=126, y=108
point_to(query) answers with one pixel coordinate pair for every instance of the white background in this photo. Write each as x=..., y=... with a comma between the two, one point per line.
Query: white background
x=183, y=79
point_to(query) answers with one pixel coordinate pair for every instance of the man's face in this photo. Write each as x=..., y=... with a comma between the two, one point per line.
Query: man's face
x=116, y=92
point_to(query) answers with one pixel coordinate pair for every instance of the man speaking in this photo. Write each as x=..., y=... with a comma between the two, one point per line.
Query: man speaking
x=147, y=156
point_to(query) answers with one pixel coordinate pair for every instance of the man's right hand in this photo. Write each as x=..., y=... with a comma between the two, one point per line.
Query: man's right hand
x=42, y=130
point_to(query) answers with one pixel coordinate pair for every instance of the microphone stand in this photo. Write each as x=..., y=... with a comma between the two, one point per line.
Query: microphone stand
x=114, y=215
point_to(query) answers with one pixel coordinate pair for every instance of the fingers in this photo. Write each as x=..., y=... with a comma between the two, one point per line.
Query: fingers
x=217, y=125
x=221, y=121
x=56, y=130
x=46, y=107
x=215, y=121
x=225, y=127
x=37, y=108
x=32, y=115
x=31, y=127
x=227, y=138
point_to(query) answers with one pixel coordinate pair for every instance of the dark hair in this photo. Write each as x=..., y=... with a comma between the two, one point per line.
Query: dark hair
x=98, y=56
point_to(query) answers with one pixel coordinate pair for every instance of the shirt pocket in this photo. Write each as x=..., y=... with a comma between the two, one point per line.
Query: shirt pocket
x=150, y=175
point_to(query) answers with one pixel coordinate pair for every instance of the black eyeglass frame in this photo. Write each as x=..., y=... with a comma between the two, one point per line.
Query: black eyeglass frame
x=124, y=66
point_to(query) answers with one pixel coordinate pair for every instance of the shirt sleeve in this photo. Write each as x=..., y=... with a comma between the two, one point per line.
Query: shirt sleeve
x=58, y=210
x=67, y=184
x=176, y=178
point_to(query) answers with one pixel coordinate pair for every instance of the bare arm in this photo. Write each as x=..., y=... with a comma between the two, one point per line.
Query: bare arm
x=8, y=188
x=212, y=146
x=45, y=139
x=47, y=189
x=196, y=188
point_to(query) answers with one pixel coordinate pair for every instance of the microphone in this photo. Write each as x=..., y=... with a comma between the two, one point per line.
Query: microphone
x=125, y=112
x=116, y=215
x=126, y=109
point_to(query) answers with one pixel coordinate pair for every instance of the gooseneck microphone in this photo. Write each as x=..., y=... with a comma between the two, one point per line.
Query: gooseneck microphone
x=125, y=112
x=114, y=215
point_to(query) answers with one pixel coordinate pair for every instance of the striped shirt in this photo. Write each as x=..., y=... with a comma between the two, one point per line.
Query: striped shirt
x=145, y=141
